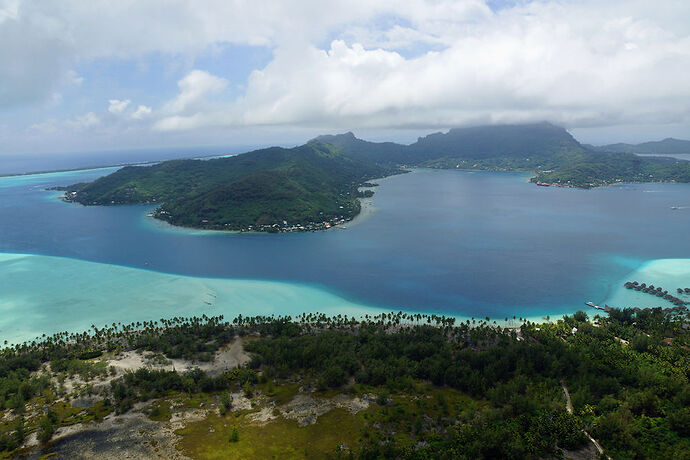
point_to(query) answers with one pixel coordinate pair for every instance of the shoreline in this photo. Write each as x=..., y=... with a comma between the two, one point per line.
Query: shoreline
x=367, y=207
x=109, y=293
x=367, y=210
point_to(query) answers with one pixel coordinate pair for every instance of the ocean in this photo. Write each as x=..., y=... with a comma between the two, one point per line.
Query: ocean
x=460, y=243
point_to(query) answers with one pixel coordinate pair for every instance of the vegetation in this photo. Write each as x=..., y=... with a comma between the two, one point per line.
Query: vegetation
x=548, y=151
x=427, y=386
x=305, y=188
x=668, y=146
x=315, y=186
x=596, y=169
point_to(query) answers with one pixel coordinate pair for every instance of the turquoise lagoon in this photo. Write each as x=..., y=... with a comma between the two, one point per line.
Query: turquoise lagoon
x=45, y=295
x=669, y=273
x=464, y=244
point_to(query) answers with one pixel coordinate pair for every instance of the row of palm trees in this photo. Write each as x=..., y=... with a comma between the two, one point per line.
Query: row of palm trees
x=118, y=334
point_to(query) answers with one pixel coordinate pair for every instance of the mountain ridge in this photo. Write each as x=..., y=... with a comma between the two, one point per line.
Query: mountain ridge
x=667, y=146
x=315, y=186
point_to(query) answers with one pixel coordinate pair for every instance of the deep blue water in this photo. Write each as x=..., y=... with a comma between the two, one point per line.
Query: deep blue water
x=467, y=243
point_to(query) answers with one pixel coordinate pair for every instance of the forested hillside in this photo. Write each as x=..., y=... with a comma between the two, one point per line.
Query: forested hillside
x=548, y=151
x=668, y=146
x=273, y=189
x=314, y=186
x=394, y=385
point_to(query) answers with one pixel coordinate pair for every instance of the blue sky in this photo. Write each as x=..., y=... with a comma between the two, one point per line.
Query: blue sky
x=100, y=75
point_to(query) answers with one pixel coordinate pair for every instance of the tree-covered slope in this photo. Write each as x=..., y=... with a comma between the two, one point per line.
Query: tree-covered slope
x=305, y=186
x=312, y=186
x=378, y=152
x=518, y=142
x=548, y=151
x=513, y=144
x=596, y=169
x=395, y=385
x=668, y=146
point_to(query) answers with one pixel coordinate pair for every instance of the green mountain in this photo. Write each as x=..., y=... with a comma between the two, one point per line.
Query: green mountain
x=314, y=186
x=668, y=146
x=546, y=150
x=272, y=189
x=524, y=143
x=513, y=146
x=377, y=152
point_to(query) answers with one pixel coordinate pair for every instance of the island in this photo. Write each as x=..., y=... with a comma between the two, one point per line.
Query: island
x=395, y=385
x=549, y=152
x=316, y=186
x=311, y=187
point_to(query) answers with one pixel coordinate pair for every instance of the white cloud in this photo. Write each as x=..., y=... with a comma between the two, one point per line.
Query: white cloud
x=194, y=89
x=141, y=112
x=46, y=127
x=74, y=78
x=117, y=107
x=193, y=107
x=86, y=121
x=9, y=9
x=565, y=63
x=575, y=63
x=359, y=63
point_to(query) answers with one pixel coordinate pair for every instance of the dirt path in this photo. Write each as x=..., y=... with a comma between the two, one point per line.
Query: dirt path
x=568, y=402
x=569, y=408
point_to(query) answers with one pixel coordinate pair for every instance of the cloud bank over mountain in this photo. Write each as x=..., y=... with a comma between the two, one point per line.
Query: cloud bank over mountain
x=79, y=72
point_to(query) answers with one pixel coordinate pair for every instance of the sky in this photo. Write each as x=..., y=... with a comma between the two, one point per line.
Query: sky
x=101, y=75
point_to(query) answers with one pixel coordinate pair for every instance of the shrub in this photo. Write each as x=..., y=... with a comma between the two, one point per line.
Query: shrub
x=234, y=435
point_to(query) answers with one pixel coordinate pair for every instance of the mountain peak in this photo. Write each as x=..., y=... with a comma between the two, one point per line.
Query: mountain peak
x=336, y=138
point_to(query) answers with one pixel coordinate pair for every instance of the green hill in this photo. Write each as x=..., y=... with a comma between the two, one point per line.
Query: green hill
x=273, y=189
x=668, y=146
x=546, y=150
x=512, y=145
x=377, y=152
x=314, y=186
x=517, y=144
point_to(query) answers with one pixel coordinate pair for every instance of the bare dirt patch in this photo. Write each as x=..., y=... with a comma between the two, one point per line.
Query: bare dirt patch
x=126, y=436
x=306, y=409
x=226, y=358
